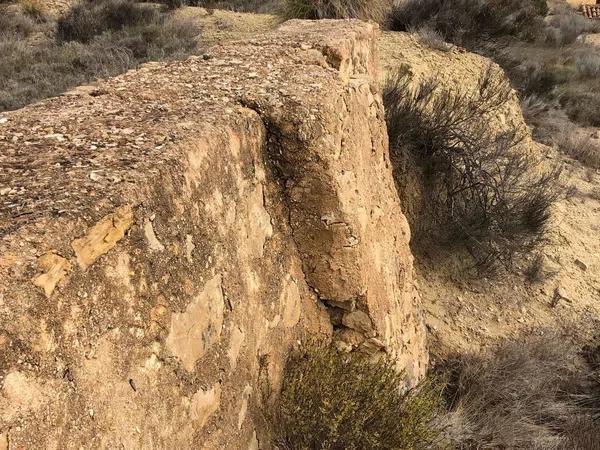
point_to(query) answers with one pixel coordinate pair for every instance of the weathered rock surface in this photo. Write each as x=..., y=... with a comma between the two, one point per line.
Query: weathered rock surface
x=170, y=234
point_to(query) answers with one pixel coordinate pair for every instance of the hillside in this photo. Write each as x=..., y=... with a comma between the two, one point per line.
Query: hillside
x=226, y=229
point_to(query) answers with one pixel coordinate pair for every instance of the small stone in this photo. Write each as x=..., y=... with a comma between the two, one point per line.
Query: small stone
x=560, y=294
x=58, y=136
x=372, y=346
x=343, y=347
x=305, y=46
x=3, y=120
x=5, y=191
x=359, y=321
x=582, y=265
x=95, y=176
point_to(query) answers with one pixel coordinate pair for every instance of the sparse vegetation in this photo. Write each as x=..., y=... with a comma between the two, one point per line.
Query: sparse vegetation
x=340, y=401
x=478, y=187
x=257, y=6
x=89, y=18
x=532, y=393
x=579, y=146
x=471, y=22
x=92, y=40
x=375, y=10
x=433, y=39
x=545, y=59
x=35, y=9
x=564, y=26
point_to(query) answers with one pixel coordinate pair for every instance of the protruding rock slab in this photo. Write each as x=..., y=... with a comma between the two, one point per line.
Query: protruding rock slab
x=168, y=239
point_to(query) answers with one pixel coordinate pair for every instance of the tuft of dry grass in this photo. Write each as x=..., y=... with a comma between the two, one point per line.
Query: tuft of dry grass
x=471, y=22
x=433, y=39
x=531, y=393
x=375, y=10
x=332, y=401
x=88, y=18
x=35, y=9
x=579, y=146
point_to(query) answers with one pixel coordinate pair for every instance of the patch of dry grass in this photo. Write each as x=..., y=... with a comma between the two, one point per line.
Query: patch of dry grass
x=579, y=146
x=375, y=10
x=95, y=40
x=535, y=393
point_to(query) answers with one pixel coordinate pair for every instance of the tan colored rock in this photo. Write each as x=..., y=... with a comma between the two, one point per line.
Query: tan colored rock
x=291, y=303
x=3, y=441
x=21, y=394
x=235, y=345
x=194, y=331
x=265, y=170
x=103, y=236
x=204, y=404
x=153, y=241
x=244, y=406
x=581, y=264
x=359, y=321
x=253, y=445
x=55, y=268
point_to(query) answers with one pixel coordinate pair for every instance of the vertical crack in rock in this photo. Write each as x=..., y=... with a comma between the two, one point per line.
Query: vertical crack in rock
x=333, y=167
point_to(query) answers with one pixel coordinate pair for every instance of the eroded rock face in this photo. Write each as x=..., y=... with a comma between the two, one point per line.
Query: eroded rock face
x=199, y=327
x=240, y=203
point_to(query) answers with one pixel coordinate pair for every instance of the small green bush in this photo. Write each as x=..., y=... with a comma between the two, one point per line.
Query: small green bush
x=375, y=10
x=334, y=401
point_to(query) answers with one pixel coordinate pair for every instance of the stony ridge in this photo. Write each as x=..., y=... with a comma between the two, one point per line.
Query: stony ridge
x=168, y=235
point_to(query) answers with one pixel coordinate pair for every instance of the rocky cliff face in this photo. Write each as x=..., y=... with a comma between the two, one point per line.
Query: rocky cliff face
x=168, y=235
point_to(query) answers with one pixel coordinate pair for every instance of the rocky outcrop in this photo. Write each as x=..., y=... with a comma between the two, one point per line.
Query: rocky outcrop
x=168, y=235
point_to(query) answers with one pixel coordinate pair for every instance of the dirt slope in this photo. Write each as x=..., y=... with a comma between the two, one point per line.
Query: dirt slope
x=465, y=312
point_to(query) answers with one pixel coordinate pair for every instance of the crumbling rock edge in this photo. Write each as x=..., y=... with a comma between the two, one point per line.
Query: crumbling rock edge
x=167, y=242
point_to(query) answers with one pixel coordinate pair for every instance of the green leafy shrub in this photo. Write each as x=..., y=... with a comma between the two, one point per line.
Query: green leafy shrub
x=478, y=187
x=334, y=401
x=375, y=10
